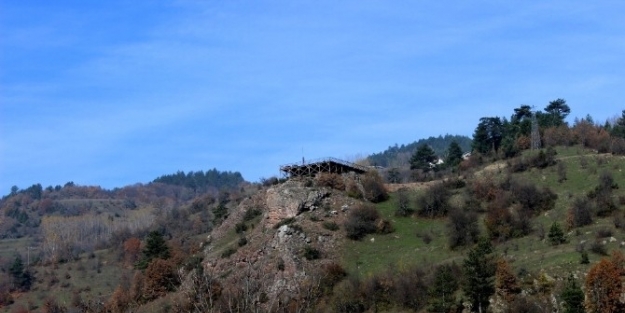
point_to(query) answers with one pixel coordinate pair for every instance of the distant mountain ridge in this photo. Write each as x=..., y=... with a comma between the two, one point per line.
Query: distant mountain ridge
x=399, y=155
x=202, y=180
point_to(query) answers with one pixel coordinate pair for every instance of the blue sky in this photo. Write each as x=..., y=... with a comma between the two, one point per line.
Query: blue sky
x=112, y=93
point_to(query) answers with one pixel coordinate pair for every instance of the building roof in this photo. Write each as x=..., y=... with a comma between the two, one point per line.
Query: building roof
x=325, y=165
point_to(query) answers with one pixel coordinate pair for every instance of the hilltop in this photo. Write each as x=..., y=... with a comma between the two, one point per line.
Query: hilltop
x=333, y=243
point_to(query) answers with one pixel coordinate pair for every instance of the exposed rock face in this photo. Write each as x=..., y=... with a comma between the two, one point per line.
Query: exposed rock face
x=290, y=199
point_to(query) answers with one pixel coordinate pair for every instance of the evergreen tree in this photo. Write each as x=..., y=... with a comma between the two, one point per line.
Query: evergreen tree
x=442, y=290
x=556, y=235
x=618, y=129
x=480, y=139
x=572, y=296
x=155, y=248
x=479, y=272
x=422, y=158
x=454, y=154
x=22, y=278
x=557, y=110
x=488, y=135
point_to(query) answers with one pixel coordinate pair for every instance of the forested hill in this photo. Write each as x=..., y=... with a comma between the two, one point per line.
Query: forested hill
x=395, y=154
x=202, y=180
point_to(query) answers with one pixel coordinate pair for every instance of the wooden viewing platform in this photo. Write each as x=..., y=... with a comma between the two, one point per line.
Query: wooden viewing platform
x=325, y=165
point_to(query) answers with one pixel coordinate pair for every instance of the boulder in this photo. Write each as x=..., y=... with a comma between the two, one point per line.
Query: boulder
x=290, y=199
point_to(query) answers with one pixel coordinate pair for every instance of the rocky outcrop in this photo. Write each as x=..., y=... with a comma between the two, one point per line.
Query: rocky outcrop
x=290, y=199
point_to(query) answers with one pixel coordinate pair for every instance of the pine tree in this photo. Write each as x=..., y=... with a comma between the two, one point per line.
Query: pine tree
x=573, y=296
x=454, y=154
x=155, y=247
x=22, y=278
x=442, y=291
x=556, y=235
x=422, y=158
x=479, y=272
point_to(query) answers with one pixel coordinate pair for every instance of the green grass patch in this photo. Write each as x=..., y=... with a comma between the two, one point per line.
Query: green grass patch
x=403, y=247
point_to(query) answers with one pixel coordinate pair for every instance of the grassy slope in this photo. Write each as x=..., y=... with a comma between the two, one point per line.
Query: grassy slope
x=404, y=246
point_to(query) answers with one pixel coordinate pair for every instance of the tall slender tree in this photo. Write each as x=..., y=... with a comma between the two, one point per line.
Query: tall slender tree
x=442, y=290
x=479, y=271
x=488, y=135
x=454, y=154
x=572, y=296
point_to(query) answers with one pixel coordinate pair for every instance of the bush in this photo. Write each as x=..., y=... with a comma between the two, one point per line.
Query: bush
x=333, y=273
x=228, y=252
x=352, y=190
x=618, y=146
x=361, y=221
x=532, y=199
x=604, y=233
x=384, y=227
x=580, y=213
x=242, y=241
x=311, y=253
x=598, y=248
x=544, y=159
x=285, y=221
x=240, y=227
x=434, y=202
x=403, y=204
x=374, y=188
x=331, y=226
x=462, y=228
x=331, y=180
x=251, y=213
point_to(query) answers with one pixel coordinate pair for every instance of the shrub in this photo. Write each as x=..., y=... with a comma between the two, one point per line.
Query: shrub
x=251, y=213
x=228, y=252
x=454, y=183
x=434, y=202
x=160, y=277
x=352, y=190
x=285, y=221
x=361, y=221
x=311, y=253
x=332, y=274
x=598, y=248
x=602, y=194
x=584, y=257
x=331, y=180
x=618, y=146
x=242, y=241
x=532, y=199
x=273, y=180
x=462, y=228
x=403, y=204
x=384, y=227
x=580, y=213
x=604, y=233
x=297, y=228
x=331, y=226
x=374, y=188
x=240, y=227
x=561, y=172
x=425, y=237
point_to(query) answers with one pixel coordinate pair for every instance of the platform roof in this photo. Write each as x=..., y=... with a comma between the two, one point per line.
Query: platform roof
x=325, y=165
